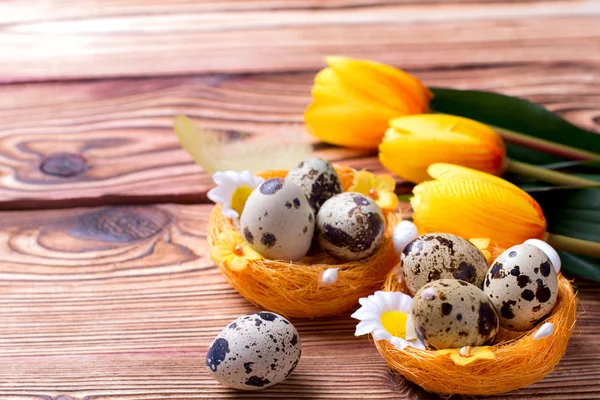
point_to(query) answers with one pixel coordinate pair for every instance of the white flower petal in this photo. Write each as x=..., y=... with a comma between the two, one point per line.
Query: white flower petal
x=411, y=333
x=549, y=250
x=364, y=327
x=365, y=313
x=544, y=331
x=381, y=334
x=398, y=342
x=404, y=233
x=220, y=178
x=417, y=344
x=227, y=183
x=229, y=212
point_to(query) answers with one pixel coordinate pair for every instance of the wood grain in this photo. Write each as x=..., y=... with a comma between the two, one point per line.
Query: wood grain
x=122, y=303
x=121, y=149
x=69, y=39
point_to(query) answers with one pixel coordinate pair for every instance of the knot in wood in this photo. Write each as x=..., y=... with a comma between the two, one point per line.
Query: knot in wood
x=64, y=165
x=122, y=224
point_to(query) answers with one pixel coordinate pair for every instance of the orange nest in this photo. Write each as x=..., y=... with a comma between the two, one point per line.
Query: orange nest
x=292, y=288
x=519, y=359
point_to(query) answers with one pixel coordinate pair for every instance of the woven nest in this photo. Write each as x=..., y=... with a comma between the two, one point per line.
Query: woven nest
x=520, y=360
x=292, y=288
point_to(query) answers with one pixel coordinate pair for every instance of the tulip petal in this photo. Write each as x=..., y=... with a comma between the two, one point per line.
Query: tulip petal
x=392, y=86
x=414, y=142
x=469, y=203
x=353, y=100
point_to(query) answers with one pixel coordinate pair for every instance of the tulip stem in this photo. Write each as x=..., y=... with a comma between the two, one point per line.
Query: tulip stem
x=546, y=146
x=547, y=175
x=574, y=245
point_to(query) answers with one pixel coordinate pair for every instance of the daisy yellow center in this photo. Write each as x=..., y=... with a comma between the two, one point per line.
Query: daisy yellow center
x=395, y=323
x=373, y=194
x=239, y=197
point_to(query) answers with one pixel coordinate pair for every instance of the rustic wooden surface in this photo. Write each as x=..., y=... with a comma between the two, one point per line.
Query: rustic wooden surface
x=118, y=300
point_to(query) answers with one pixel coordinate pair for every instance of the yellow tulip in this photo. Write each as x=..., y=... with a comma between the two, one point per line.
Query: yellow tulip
x=473, y=204
x=414, y=142
x=353, y=100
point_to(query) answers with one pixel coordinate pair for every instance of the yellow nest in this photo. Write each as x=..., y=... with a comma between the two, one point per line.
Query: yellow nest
x=292, y=288
x=519, y=359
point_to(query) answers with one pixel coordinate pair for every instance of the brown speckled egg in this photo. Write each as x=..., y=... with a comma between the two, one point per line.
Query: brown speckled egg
x=317, y=179
x=523, y=286
x=450, y=313
x=277, y=220
x=442, y=256
x=350, y=226
x=254, y=352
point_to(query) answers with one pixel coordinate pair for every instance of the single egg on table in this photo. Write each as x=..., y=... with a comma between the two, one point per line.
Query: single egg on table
x=436, y=256
x=317, y=179
x=523, y=286
x=277, y=220
x=350, y=226
x=450, y=313
x=254, y=352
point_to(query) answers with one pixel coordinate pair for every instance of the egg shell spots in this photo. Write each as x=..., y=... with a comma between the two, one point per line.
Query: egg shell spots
x=350, y=226
x=254, y=352
x=277, y=220
x=442, y=256
x=317, y=179
x=450, y=313
x=523, y=286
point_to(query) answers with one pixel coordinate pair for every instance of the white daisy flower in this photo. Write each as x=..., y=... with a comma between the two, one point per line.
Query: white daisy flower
x=232, y=191
x=387, y=316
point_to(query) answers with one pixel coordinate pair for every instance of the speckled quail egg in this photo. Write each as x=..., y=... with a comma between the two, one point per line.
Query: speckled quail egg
x=523, y=286
x=277, y=220
x=450, y=313
x=317, y=179
x=254, y=352
x=442, y=256
x=350, y=226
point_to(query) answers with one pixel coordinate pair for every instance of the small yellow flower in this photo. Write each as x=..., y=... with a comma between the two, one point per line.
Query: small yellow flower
x=380, y=188
x=233, y=251
x=467, y=355
x=482, y=244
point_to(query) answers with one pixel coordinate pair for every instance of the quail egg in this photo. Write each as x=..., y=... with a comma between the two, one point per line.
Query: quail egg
x=317, y=179
x=450, y=313
x=442, y=256
x=254, y=352
x=523, y=286
x=350, y=226
x=277, y=220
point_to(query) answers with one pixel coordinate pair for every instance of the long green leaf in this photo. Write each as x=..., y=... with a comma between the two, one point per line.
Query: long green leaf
x=518, y=115
x=574, y=213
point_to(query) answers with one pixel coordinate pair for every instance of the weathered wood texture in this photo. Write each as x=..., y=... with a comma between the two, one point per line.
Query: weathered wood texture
x=122, y=129
x=65, y=38
x=122, y=303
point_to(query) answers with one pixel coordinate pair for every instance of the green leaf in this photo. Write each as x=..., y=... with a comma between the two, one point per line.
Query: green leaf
x=518, y=115
x=585, y=267
x=574, y=213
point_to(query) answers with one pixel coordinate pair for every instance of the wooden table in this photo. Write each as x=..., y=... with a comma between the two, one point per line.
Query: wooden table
x=106, y=289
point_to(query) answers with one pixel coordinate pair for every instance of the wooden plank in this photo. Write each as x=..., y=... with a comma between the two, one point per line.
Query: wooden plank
x=66, y=39
x=122, y=128
x=122, y=303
